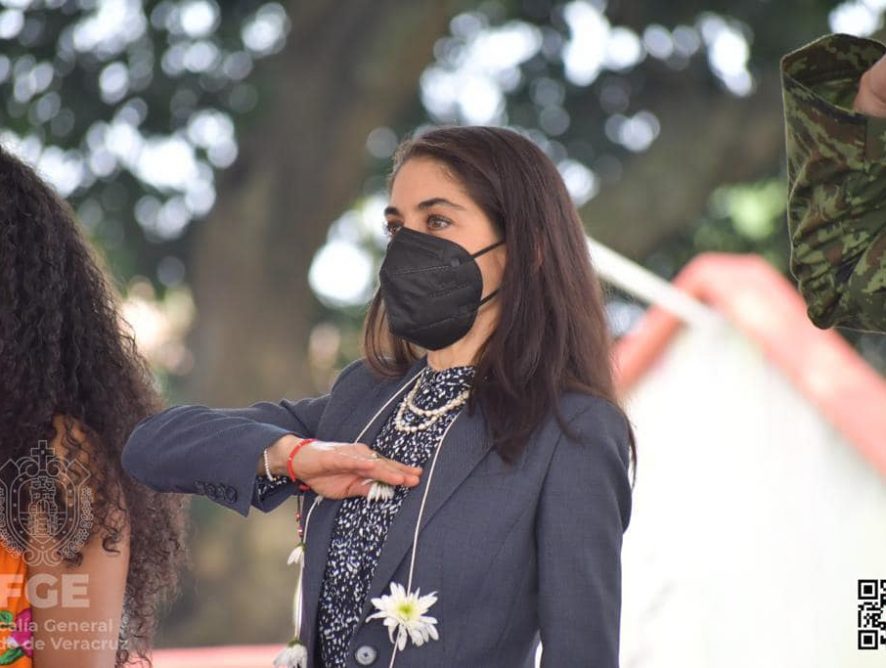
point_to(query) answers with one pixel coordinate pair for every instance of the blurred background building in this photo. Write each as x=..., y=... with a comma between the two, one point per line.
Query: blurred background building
x=760, y=496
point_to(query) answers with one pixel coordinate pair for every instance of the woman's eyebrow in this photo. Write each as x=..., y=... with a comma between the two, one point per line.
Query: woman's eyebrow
x=426, y=204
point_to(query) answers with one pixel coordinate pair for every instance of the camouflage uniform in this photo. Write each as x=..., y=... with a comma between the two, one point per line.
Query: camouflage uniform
x=836, y=160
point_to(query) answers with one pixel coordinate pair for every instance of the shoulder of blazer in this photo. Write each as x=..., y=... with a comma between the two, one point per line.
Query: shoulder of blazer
x=348, y=371
x=359, y=377
x=574, y=405
x=593, y=418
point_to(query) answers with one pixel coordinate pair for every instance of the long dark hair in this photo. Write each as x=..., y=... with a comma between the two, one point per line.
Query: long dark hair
x=67, y=358
x=552, y=333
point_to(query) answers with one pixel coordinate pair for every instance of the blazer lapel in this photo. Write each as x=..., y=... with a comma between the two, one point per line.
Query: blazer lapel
x=322, y=518
x=465, y=445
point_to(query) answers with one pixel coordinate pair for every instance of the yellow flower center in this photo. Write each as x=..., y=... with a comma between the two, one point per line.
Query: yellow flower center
x=406, y=609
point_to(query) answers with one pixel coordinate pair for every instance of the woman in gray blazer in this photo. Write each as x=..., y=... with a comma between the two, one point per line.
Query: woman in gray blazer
x=466, y=481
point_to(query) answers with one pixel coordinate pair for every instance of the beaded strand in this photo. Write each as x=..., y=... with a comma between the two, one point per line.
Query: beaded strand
x=433, y=414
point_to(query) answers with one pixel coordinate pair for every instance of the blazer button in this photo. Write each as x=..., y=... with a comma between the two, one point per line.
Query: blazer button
x=365, y=655
x=230, y=494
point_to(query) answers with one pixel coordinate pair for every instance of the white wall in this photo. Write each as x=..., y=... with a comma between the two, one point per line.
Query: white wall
x=752, y=522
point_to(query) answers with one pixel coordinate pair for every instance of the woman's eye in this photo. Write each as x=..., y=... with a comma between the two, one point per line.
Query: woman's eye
x=434, y=223
x=437, y=223
x=391, y=228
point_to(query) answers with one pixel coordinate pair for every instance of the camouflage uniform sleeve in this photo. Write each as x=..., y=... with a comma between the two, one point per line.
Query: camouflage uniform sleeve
x=836, y=164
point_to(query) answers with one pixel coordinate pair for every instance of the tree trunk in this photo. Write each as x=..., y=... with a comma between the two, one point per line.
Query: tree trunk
x=347, y=68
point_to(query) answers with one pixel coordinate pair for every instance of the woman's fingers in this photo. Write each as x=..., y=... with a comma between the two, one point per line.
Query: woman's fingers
x=410, y=474
x=358, y=488
x=378, y=469
x=391, y=475
x=400, y=466
x=359, y=460
x=366, y=451
x=363, y=452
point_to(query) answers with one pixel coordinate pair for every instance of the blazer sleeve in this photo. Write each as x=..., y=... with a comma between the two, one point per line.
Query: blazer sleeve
x=584, y=509
x=836, y=165
x=195, y=449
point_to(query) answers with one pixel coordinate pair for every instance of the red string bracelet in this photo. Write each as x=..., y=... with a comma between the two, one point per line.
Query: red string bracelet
x=302, y=486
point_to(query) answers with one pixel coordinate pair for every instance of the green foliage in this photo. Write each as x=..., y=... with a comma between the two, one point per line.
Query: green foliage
x=99, y=85
x=755, y=209
x=177, y=60
x=740, y=218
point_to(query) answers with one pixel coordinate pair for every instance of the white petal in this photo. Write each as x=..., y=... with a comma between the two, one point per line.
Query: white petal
x=380, y=491
x=416, y=637
x=294, y=656
x=414, y=625
x=296, y=555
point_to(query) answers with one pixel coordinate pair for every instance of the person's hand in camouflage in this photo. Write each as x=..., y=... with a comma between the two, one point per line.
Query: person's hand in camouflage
x=835, y=125
x=871, y=96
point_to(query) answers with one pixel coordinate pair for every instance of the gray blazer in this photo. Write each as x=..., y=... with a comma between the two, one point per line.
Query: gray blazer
x=517, y=556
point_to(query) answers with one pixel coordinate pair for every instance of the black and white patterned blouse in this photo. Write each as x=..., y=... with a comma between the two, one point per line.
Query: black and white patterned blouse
x=361, y=525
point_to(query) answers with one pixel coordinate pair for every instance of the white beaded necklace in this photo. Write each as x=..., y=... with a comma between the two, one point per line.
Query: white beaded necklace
x=433, y=414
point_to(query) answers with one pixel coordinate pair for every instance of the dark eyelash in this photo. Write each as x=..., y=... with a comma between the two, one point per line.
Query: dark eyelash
x=440, y=218
x=386, y=226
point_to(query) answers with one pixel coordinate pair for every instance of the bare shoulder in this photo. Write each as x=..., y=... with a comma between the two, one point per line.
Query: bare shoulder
x=80, y=449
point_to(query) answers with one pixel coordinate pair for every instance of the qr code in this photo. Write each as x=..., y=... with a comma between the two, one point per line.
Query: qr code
x=871, y=614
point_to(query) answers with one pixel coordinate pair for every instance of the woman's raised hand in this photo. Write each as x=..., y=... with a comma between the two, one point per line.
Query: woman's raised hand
x=338, y=470
x=871, y=96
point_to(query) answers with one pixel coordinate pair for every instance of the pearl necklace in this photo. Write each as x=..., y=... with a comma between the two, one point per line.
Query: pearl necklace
x=433, y=414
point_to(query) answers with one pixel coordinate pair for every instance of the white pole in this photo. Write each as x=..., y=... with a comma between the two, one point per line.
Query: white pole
x=646, y=286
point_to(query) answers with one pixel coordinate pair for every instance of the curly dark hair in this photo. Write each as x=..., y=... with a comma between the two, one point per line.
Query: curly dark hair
x=65, y=352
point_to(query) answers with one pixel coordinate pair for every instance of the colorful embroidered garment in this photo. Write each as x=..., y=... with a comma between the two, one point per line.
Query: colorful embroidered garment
x=15, y=612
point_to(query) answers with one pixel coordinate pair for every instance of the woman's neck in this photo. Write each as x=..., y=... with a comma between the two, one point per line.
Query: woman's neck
x=464, y=351
x=448, y=357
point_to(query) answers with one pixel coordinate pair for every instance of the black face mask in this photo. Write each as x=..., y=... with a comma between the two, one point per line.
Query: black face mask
x=431, y=288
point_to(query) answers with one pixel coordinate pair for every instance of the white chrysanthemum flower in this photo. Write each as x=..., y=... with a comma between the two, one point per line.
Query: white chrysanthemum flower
x=294, y=655
x=380, y=491
x=405, y=614
x=297, y=554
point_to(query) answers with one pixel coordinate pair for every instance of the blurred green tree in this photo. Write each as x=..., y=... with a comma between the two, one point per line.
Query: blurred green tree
x=251, y=119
